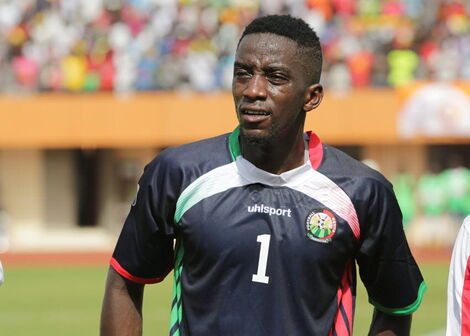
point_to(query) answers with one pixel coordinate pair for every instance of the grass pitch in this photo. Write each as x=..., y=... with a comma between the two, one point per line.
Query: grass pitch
x=67, y=301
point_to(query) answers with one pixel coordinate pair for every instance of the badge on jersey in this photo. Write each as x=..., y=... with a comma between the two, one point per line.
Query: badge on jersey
x=320, y=225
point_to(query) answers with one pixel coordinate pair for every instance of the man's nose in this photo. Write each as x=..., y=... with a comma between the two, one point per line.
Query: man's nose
x=256, y=88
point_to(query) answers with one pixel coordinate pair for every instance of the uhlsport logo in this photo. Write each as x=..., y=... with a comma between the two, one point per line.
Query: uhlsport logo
x=261, y=208
x=320, y=225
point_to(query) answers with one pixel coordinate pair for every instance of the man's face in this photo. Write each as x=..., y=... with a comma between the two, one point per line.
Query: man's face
x=270, y=87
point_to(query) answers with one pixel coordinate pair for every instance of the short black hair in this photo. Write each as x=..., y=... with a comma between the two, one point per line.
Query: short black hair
x=295, y=29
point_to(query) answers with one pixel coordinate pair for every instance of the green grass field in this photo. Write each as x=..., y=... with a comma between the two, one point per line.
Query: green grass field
x=67, y=301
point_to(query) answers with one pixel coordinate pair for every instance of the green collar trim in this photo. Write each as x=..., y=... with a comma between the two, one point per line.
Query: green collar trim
x=234, y=144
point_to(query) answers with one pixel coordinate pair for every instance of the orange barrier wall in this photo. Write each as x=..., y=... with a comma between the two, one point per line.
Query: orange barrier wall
x=365, y=116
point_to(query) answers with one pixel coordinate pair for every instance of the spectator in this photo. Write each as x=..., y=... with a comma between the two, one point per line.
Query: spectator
x=117, y=39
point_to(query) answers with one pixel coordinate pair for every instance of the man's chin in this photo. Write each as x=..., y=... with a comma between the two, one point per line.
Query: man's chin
x=256, y=138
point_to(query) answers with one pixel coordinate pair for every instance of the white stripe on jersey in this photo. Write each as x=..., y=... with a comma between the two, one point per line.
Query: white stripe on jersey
x=303, y=179
x=331, y=195
x=310, y=182
x=213, y=182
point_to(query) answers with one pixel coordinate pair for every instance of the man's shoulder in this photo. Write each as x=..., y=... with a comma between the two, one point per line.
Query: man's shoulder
x=338, y=164
x=209, y=152
x=200, y=150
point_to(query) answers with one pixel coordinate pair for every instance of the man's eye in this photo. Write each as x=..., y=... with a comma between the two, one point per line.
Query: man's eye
x=277, y=78
x=241, y=73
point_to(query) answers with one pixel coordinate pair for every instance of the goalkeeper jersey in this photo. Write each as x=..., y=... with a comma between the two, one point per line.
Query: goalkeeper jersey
x=264, y=254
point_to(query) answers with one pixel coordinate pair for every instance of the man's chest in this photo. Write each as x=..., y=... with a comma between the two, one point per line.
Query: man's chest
x=258, y=225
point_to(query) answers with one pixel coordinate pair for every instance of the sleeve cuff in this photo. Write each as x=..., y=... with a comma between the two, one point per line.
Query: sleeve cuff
x=404, y=310
x=124, y=273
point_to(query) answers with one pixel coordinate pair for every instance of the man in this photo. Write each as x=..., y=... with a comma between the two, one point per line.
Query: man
x=268, y=221
x=458, y=288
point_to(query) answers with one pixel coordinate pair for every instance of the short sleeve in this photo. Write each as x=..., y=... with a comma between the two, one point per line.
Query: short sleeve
x=144, y=251
x=386, y=266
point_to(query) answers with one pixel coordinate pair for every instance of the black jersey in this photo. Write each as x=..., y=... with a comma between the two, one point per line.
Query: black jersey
x=264, y=254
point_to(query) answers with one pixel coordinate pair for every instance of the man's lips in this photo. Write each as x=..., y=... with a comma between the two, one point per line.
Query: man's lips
x=254, y=115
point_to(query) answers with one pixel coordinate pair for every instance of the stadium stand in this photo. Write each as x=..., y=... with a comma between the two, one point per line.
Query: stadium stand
x=140, y=45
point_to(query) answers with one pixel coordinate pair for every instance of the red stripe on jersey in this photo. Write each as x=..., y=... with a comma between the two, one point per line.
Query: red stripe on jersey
x=465, y=330
x=343, y=322
x=118, y=268
x=315, y=150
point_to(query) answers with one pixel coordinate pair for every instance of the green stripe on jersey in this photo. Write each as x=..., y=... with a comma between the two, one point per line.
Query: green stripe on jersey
x=405, y=310
x=177, y=307
x=213, y=182
x=216, y=181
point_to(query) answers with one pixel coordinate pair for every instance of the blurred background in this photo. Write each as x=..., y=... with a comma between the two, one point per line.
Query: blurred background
x=90, y=91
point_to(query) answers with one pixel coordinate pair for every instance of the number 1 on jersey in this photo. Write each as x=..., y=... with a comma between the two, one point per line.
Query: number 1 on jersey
x=260, y=275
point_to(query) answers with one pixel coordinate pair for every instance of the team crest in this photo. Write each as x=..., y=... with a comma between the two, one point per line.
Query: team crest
x=320, y=225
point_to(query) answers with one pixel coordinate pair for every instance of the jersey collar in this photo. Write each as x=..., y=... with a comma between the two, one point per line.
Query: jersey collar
x=315, y=147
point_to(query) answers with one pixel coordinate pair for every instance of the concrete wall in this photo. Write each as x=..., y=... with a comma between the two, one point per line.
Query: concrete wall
x=22, y=186
x=60, y=194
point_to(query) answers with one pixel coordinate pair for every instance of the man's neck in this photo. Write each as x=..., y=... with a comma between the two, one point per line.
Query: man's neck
x=277, y=156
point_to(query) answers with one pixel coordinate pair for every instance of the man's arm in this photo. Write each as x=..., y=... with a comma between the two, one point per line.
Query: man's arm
x=390, y=325
x=121, y=313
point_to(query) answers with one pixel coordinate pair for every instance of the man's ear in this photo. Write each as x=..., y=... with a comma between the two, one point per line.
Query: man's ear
x=313, y=97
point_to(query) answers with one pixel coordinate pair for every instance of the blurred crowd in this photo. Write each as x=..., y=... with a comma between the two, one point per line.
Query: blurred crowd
x=138, y=45
x=434, y=193
x=435, y=204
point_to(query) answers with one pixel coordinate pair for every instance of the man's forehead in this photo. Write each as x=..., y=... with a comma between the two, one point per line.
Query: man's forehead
x=266, y=46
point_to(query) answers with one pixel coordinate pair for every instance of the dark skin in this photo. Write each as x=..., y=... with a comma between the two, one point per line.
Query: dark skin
x=389, y=325
x=273, y=91
x=121, y=313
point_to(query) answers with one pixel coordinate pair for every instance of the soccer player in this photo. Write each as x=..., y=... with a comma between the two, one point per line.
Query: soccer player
x=268, y=221
x=458, y=287
x=2, y=279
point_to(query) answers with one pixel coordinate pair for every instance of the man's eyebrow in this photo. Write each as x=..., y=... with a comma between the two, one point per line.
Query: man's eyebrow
x=241, y=65
x=265, y=69
x=276, y=68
